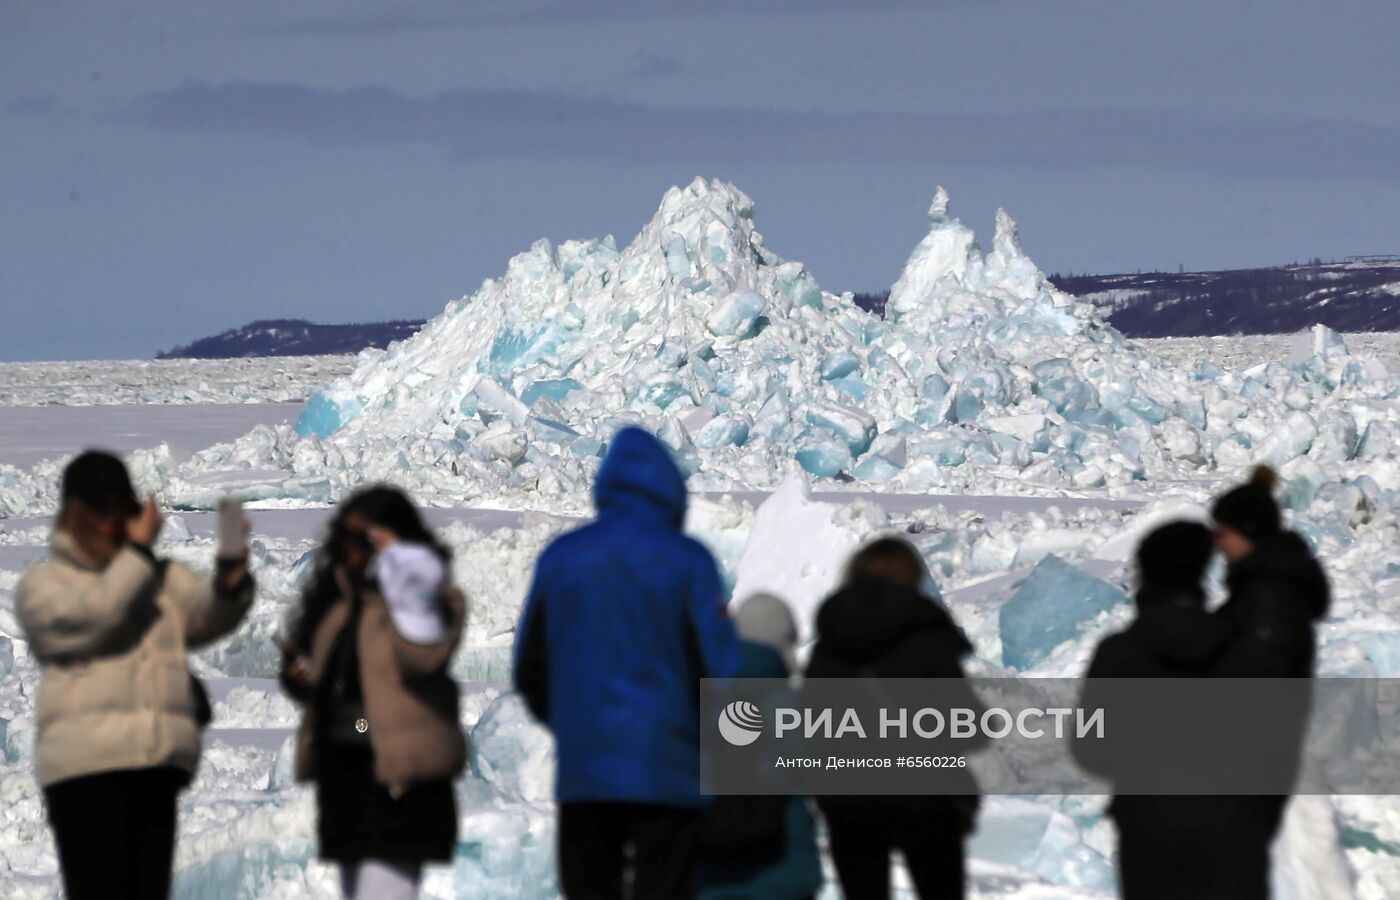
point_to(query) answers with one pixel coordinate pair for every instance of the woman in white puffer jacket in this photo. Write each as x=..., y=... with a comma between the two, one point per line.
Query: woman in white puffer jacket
x=119, y=715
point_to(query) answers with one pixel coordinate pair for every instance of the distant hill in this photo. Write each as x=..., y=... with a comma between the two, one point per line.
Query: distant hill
x=1356, y=294
x=1360, y=293
x=294, y=337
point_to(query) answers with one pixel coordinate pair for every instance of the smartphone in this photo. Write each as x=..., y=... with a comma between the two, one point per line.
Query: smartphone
x=233, y=538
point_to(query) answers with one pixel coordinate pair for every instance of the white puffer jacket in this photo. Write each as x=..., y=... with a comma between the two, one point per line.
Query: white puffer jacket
x=115, y=692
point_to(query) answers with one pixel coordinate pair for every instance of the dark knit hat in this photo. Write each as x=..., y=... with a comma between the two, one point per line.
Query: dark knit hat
x=1175, y=556
x=1250, y=508
x=100, y=482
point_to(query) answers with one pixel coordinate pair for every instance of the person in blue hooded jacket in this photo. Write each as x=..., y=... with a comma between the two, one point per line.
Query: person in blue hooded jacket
x=624, y=616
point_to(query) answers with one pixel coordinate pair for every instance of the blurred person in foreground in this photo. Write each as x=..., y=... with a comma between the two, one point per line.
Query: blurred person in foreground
x=624, y=617
x=367, y=659
x=1278, y=590
x=1171, y=847
x=119, y=714
x=883, y=623
x=765, y=847
x=1215, y=844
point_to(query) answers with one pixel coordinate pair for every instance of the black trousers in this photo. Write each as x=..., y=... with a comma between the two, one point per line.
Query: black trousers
x=1153, y=869
x=861, y=844
x=638, y=850
x=1195, y=848
x=116, y=833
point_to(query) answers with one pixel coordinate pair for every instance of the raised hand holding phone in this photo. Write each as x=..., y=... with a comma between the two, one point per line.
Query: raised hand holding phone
x=233, y=530
x=143, y=528
x=232, y=547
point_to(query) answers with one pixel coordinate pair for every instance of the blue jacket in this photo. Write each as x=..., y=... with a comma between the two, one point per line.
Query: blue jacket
x=624, y=616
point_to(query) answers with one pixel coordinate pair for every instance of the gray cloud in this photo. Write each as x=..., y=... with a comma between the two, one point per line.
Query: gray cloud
x=414, y=17
x=649, y=66
x=486, y=124
x=41, y=105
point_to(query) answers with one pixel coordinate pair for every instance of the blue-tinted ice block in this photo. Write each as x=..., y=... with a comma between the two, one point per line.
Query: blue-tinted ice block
x=1048, y=609
x=822, y=454
x=839, y=365
x=854, y=388
x=323, y=417
x=555, y=389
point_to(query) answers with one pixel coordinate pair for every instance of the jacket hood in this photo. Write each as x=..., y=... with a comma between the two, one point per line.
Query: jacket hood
x=1176, y=629
x=864, y=620
x=1286, y=557
x=639, y=478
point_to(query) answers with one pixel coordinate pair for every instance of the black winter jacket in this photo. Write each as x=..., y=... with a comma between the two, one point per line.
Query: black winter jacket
x=1264, y=630
x=874, y=628
x=1276, y=594
x=1173, y=636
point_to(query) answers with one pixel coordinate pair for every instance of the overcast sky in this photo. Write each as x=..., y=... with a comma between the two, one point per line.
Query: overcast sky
x=173, y=169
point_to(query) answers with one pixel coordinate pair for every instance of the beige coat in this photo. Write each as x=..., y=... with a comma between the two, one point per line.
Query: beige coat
x=115, y=689
x=411, y=702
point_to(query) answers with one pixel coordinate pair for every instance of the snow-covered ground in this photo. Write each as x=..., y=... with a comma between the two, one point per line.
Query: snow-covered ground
x=31, y=434
x=991, y=420
x=1243, y=351
x=120, y=382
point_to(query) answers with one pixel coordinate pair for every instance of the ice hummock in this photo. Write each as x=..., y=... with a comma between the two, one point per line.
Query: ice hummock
x=981, y=371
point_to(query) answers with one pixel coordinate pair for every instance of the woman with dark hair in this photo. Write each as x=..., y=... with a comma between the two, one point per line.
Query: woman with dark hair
x=367, y=658
x=883, y=623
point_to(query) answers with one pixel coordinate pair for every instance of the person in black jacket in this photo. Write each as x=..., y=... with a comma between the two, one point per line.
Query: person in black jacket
x=1277, y=593
x=1170, y=847
x=1277, y=589
x=879, y=624
x=1173, y=635
x=1216, y=845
